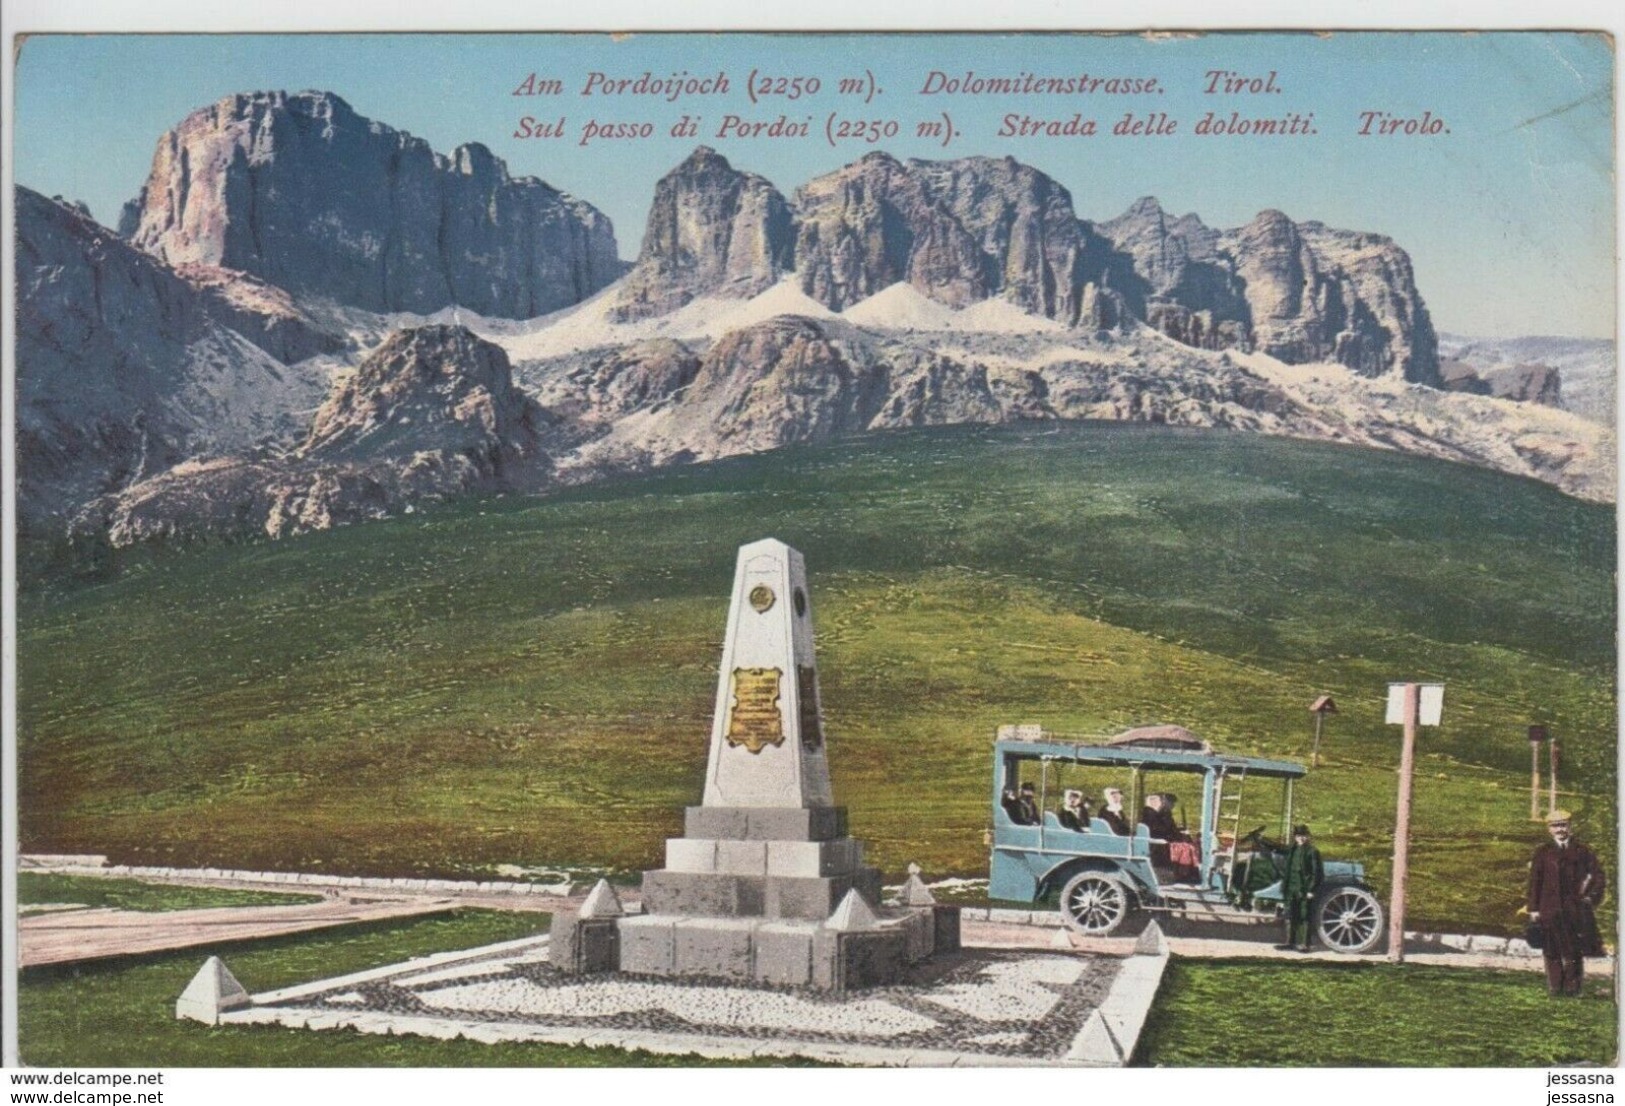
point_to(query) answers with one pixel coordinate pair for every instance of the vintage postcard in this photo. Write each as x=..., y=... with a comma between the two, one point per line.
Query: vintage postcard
x=999, y=550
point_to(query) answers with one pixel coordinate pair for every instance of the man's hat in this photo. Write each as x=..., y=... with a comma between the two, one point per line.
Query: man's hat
x=1300, y=831
x=1027, y=787
x=1557, y=817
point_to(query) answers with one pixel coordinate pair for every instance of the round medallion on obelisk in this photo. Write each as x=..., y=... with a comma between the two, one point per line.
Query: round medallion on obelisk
x=762, y=598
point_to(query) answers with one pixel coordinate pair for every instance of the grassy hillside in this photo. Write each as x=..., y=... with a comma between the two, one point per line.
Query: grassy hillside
x=529, y=681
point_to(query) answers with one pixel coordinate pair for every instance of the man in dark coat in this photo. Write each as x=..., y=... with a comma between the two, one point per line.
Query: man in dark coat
x=1301, y=876
x=1027, y=807
x=1566, y=882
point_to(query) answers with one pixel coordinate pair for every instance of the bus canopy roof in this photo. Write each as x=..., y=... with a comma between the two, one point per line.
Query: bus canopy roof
x=1029, y=742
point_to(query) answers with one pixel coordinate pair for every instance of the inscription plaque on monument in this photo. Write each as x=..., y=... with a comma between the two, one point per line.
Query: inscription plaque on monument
x=812, y=733
x=754, y=720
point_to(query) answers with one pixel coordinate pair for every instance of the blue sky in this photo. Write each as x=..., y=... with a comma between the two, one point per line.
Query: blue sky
x=1509, y=217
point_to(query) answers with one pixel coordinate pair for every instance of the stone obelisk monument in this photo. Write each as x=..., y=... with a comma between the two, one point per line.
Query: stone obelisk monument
x=767, y=742
x=765, y=884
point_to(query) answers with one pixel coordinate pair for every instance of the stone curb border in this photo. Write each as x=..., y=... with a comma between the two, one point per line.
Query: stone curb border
x=97, y=866
x=1111, y=1033
x=405, y=968
x=1415, y=941
x=665, y=1044
x=82, y=866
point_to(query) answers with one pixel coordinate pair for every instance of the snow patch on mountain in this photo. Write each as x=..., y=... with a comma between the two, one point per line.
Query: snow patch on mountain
x=1576, y=454
x=593, y=324
x=1000, y=316
x=901, y=306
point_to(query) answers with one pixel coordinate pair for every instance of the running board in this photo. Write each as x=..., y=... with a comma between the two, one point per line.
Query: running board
x=1211, y=911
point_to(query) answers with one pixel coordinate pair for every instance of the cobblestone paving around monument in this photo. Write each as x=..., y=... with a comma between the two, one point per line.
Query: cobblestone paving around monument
x=995, y=1005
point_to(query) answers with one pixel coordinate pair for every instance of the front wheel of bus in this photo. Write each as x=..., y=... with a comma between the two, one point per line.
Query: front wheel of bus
x=1094, y=904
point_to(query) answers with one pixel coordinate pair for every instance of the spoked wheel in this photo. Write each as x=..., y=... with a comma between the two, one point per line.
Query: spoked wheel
x=1349, y=919
x=1094, y=903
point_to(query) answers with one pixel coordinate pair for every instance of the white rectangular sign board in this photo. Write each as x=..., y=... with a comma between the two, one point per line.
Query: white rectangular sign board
x=1429, y=708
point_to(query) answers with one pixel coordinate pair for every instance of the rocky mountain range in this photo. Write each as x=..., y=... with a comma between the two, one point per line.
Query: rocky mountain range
x=432, y=412
x=127, y=366
x=268, y=348
x=1576, y=374
x=300, y=191
x=977, y=228
x=783, y=370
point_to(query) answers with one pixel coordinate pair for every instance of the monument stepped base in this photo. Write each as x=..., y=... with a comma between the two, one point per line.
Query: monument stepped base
x=790, y=953
x=783, y=952
x=804, y=898
x=760, y=862
x=765, y=823
x=767, y=895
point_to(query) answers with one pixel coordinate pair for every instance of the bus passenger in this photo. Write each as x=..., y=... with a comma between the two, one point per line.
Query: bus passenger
x=1074, y=813
x=1159, y=823
x=1113, y=815
x=1028, y=807
x=1183, y=854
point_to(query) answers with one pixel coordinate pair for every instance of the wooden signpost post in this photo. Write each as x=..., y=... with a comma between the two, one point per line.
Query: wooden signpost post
x=1551, y=747
x=1320, y=708
x=1537, y=737
x=1409, y=705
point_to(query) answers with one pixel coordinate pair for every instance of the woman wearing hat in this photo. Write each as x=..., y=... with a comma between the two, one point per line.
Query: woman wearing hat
x=1074, y=812
x=1565, y=883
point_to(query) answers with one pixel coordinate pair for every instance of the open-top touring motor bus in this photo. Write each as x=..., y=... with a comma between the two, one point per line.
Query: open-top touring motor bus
x=1101, y=880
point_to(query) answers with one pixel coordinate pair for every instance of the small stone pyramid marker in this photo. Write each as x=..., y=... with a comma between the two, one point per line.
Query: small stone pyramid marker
x=212, y=992
x=1061, y=940
x=1152, y=942
x=853, y=913
x=602, y=902
x=1095, y=1043
x=915, y=892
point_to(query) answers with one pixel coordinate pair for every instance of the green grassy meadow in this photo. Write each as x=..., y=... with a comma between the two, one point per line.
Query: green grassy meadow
x=1262, y=1014
x=529, y=680
x=127, y=894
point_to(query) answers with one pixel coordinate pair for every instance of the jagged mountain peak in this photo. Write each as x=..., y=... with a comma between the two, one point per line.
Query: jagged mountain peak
x=434, y=387
x=712, y=230
x=706, y=162
x=476, y=159
x=301, y=191
x=1274, y=221
x=965, y=230
x=328, y=110
x=879, y=158
x=1147, y=214
x=703, y=157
